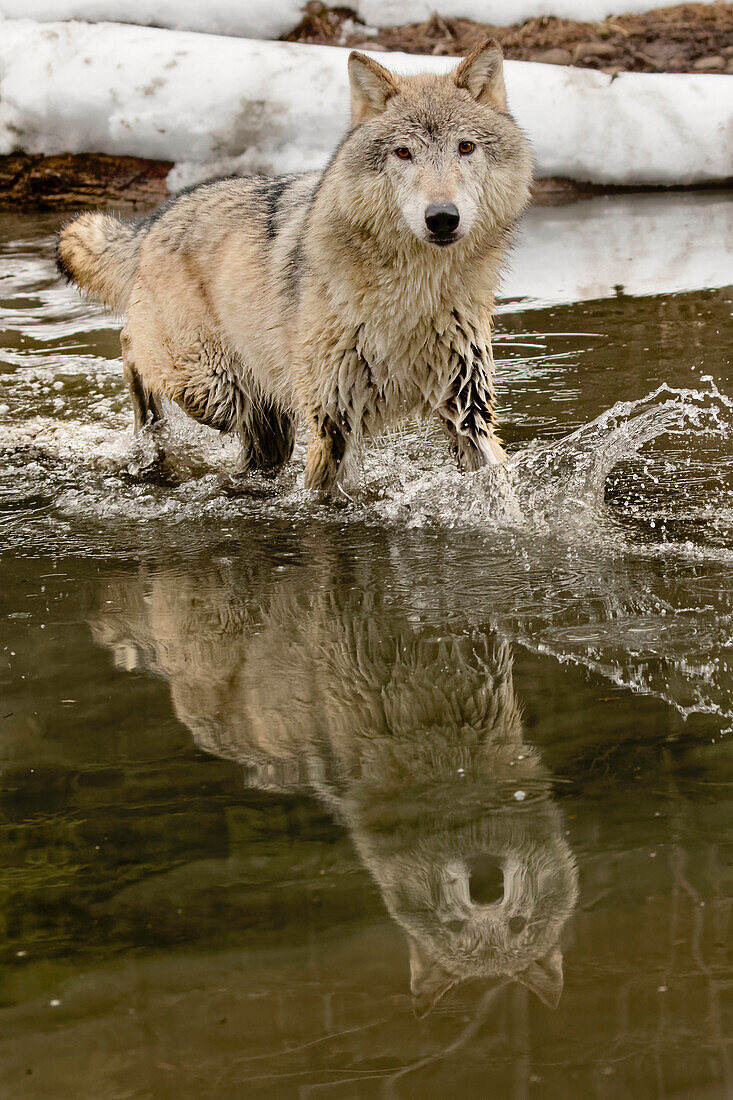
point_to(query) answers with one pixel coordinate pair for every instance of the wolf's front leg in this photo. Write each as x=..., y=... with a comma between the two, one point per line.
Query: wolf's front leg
x=474, y=449
x=334, y=388
x=467, y=417
x=326, y=451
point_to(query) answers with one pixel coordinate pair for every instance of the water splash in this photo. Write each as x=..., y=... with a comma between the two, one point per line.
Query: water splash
x=579, y=465
x=561, y=487
x=95, y=469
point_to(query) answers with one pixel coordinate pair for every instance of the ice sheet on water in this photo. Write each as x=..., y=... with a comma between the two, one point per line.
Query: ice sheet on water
x=629, y=245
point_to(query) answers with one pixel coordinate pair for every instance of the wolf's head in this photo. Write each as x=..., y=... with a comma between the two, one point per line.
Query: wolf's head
x=452, y=812
x=482, y=886
x=486, y=900
x=437, y=157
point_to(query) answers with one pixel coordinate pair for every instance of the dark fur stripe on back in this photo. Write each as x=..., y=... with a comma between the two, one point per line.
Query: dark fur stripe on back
x=271, y=192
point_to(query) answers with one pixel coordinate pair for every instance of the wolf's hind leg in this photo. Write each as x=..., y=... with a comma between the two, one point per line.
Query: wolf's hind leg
x=214, y=387
x=268, y=436
x=145, y=405
x=148, y=414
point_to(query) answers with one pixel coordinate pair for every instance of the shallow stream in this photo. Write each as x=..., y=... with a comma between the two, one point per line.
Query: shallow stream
x=424, y=794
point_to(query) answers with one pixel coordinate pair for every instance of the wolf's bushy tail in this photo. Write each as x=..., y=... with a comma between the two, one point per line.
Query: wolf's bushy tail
x=100, y=254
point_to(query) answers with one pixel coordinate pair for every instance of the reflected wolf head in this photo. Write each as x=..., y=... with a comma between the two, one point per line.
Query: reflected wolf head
x=481, y=885
x=413, y=741
x=446, y=159
x=450, y=809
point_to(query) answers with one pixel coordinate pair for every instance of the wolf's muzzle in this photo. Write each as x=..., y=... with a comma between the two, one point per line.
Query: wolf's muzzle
x=442, y=220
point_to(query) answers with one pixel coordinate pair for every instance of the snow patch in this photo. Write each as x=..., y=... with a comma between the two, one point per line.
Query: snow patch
x=220, y=105
x=243, y=18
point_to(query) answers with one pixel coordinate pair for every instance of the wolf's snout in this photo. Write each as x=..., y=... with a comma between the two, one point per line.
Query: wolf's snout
x=486, y=883
x=442, y=219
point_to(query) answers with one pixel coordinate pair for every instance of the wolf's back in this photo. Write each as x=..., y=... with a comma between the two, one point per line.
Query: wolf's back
x=100, y=254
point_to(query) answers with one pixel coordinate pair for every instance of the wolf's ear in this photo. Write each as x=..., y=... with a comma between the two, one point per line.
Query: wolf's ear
x=482, y=74
x=544, y=977
x=371, y=87
x=429, y=981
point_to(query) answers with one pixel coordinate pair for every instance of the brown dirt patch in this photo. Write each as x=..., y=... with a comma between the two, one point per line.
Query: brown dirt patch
x=70, y=181
x=681, y=39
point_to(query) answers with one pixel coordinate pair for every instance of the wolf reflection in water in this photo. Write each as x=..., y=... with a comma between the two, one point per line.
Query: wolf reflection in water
x=411, y=740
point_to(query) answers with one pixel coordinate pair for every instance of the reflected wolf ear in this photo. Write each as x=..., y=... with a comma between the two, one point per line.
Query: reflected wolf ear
x=482, y=74
x=544, y=977
x=429, y=981
x=371, y=86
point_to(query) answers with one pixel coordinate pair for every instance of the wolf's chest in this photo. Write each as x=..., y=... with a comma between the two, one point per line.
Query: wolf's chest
x=401, y=372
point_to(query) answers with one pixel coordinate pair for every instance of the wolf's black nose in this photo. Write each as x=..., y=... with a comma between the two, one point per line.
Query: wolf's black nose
x=486, y=881
x=442, y=218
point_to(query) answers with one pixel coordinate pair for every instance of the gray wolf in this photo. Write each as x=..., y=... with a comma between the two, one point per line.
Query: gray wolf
x=353, y=298
x=414, y=742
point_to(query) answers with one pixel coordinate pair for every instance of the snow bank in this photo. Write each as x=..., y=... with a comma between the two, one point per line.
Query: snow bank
x=244, y=18
x=272, y=18
x=218, y=105
x=622, y=244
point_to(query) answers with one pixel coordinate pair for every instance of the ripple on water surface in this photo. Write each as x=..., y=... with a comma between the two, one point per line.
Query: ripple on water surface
x=605, y=538
x=278, y=777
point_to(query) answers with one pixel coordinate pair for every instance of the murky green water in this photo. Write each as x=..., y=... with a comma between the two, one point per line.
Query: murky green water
x=425, y=795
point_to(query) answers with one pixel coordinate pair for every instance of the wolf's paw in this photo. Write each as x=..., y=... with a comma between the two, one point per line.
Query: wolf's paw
x=474, y=454
x=325, y=455
x=320, y=473
x=155, y=471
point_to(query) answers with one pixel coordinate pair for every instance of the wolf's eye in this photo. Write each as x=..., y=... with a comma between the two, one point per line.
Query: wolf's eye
x=465, y=148
x=403, y=153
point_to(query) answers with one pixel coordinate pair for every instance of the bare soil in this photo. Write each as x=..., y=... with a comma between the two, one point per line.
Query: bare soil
x=71, y=181
x=681, y=39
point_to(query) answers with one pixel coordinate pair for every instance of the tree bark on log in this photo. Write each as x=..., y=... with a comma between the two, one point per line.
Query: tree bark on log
x=81, y=180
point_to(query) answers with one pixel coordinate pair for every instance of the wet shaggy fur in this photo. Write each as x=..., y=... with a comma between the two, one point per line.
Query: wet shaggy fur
x=252, y=301
x=413, y=742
